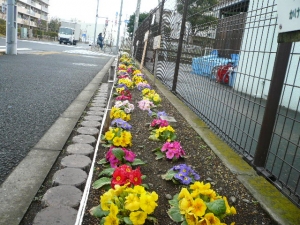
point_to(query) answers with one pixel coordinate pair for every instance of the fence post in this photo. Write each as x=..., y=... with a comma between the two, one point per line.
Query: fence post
x=179, y=50
x=268, y=123
x=159, y=33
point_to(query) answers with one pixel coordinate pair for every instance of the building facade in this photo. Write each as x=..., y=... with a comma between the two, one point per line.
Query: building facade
x=31, y=13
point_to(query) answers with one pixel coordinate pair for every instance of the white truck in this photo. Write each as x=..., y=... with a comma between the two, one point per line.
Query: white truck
x=69, y=32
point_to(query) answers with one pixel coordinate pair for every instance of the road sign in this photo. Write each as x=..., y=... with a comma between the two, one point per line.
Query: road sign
x=288, y=15
x=156, y=42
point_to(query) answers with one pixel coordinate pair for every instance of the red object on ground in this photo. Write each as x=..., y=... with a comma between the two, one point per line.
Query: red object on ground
x=223, y=73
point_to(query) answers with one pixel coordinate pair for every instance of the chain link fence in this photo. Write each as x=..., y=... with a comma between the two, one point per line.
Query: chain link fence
x=222, y=66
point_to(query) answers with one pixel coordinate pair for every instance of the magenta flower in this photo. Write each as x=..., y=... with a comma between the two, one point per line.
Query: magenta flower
x=173, y=150
x=129, y=156
x=159, y=123
x=114, y=161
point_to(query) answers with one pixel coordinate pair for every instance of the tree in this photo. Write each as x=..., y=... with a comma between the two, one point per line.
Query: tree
x=54, y=25
x=130, y=25
x=199, y=14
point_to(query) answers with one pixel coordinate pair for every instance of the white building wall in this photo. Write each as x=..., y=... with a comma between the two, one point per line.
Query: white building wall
x=258, y=52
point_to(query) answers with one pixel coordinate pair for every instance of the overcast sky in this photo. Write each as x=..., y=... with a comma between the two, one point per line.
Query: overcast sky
x=85, y=11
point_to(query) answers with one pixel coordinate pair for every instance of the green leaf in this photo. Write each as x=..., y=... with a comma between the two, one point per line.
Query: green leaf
x=101, y=182
x=217, y=207
x=119, y=153
x=98, y=212
x=156, y=149
x=107, y=172
x=159, y=155
x=143, y=177
x=174, y=214
x=173, y=137
x=169, y=175
x=127, y=220
x=151, y=218
x=152, y=137
x=102, y=221
x=102, y=161
x=137, y=162
x=106, y=145
x=184, y=223
x=146, y=186
x=174, y=202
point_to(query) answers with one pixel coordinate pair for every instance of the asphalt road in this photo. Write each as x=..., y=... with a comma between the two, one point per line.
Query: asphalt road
x=36, y=86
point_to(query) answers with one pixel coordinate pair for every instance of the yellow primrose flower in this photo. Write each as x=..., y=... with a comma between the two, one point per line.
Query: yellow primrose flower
x=191, y=219
x=132, y=202
x=147, y=203
x=139, y=189
x=183, y=193
x=111, y=220
x=105, y=200
x=117, y=141
x=199, y=207
x=169, y=128
x=136, y=72
x=114, y=210
x=154, y=195
x=109, y=135
x=212, y=219
x=119, y=90
x=138, y=217
x=186, y=205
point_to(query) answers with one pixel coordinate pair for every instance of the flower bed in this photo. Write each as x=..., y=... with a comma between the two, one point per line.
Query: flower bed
x=171, y=203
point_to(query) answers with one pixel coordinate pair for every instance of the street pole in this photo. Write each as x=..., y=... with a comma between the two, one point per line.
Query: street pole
x=120, y=17
x=136, y=22
x=96, y=23
x=11, y=28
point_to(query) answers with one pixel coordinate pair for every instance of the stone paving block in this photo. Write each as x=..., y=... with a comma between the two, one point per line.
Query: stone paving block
x=70, y=176
x=93, y=118
x=98, y=105
x=81, y=149
x=76, y=161
x=101, y=102
x=95, y=113
x=90, y=123
x=88, y=130
x=84, y=139
x=64, y=195
x=102, y=94
x=100, y=99
x=61, y=215
x=97, y=109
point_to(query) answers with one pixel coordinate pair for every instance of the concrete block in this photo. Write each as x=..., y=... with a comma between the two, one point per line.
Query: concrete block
x=70, y=176
x=61, y=215
x=64, y=195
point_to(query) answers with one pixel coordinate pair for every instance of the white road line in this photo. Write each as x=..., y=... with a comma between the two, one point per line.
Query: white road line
x=87, y=52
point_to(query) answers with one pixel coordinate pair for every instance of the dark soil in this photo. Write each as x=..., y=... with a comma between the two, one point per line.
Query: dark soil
x=199, y=156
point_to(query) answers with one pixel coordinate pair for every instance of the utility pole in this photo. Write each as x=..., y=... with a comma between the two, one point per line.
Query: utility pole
x=136, y=23
x=137, y=16
x=11, y=28
x=96, y=23
x=120, y=18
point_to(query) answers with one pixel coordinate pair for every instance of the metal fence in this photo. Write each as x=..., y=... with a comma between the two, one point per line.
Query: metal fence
x=224, y=65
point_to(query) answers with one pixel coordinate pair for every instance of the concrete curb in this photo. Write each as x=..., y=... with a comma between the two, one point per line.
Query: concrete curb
x=21, y=186
x=279, y=207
